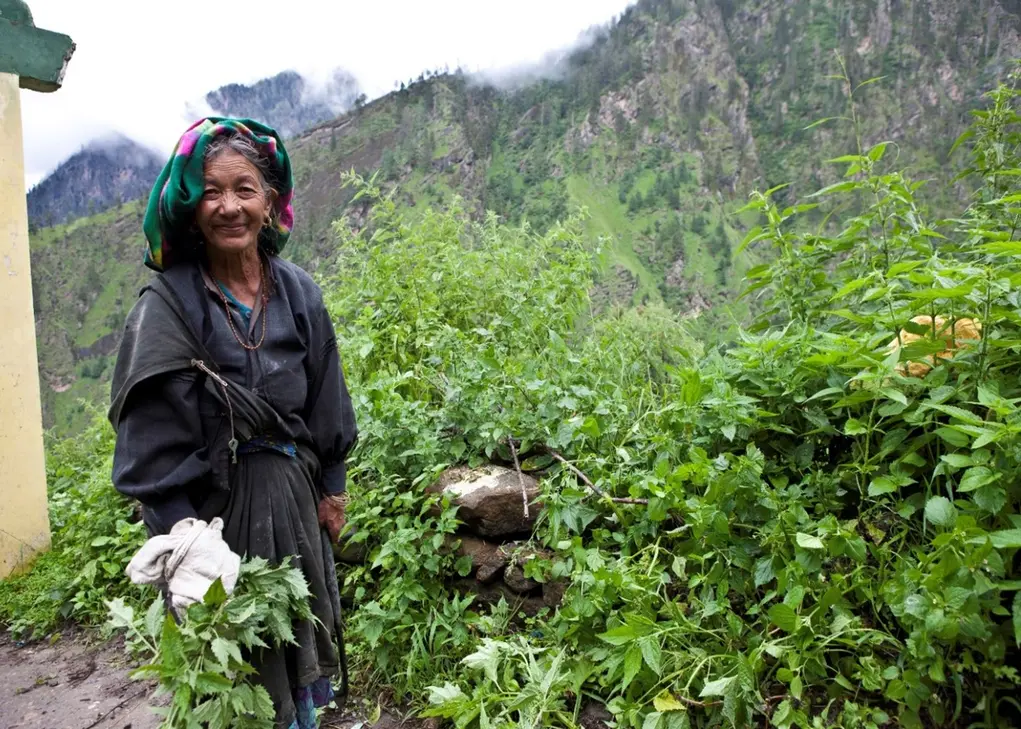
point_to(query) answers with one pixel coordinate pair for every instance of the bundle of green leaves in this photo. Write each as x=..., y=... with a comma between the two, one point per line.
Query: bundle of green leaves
x=202, y=661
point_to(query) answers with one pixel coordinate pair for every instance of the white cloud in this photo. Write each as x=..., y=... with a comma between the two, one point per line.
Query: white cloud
x=139, y=62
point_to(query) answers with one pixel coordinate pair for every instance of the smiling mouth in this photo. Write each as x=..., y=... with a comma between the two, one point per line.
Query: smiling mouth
x=232, y=228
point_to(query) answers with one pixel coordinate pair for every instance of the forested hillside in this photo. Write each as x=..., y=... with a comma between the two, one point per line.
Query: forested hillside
x=659, y=127
x=105, y=174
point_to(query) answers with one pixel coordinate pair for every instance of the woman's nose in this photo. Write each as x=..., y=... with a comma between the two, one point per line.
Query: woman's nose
x=229, y=204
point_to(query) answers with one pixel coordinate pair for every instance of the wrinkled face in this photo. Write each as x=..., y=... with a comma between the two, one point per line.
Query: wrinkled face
x=234, y=206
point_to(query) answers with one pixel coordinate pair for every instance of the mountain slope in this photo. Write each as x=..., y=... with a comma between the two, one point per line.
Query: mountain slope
x=288, y=102
x=659, y=127
x=105, y=173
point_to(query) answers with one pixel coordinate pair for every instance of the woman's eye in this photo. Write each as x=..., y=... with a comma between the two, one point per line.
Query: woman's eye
x=247, y=191
x=209, y=194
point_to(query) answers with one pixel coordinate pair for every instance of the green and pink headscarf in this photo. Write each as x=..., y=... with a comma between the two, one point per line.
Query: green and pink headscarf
x=170, y=214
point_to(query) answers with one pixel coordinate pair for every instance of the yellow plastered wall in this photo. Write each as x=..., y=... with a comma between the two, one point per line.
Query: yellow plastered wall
x=24, y=522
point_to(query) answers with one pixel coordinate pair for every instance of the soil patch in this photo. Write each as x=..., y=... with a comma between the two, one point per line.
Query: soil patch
x=71, y=684
x=77, y=683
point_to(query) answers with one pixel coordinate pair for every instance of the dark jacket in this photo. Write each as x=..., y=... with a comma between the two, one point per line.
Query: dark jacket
x=173, y=425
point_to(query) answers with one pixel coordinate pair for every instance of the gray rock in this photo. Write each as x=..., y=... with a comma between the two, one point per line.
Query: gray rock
x=553, y=592
x=488, y=559
x=489, y=595
x=514, y=578
x=489, y=499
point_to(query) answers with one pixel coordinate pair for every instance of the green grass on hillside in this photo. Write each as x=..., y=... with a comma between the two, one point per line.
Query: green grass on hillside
x=607, y=220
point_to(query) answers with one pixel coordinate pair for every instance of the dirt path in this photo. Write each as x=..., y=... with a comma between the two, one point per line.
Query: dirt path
x=70, y=685
x=74, y=685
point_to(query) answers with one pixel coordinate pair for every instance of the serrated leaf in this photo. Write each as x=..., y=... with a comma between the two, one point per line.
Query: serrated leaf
x=242, y=700
x=120, y=614
x=882, y=485
x=652, y=652
x=953, y=437
x=876, y=153
x=224, y=650
x=990, y=499
x=262, y=703
x=976, y=477
x=957, y=413
x=215, y=595
x=848, y=288
x=957, y=460
x=796, y=687
x=895, y=395
x=1003, y=539
x=940, y=511
x=807, y=541
x=764, y=571
x=486, y=658
x=653, y=720
x=463, y=566
x=154, y=618
x=620, y=635
x=853, y=426
x=632, y=665
x=171, y=646
x=717, y=687
x=784, y=617
x=297, y=584
x=212, y=683
x=837, y=187
x=213, y=713
x=665, y=702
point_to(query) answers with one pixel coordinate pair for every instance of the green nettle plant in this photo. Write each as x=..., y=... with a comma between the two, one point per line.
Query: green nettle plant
x=831, y=529
x=94, y=537
x=201, y=660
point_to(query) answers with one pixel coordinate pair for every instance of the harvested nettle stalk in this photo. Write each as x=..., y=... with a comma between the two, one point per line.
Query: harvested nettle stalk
x=201, y=660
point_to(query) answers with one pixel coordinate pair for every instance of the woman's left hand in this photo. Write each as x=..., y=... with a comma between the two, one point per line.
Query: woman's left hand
x=332, y=516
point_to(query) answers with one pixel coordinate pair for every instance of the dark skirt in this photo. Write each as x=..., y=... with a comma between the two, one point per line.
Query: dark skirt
x=271, y=511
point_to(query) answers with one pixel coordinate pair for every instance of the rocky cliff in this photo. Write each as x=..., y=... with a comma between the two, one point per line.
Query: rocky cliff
x=288, y=102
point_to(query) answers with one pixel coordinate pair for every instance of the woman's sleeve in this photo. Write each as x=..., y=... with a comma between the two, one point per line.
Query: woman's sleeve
x=160, y=454
x=330, y=414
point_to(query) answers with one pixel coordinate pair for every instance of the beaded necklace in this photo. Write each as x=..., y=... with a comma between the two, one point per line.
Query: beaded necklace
x=265, y=311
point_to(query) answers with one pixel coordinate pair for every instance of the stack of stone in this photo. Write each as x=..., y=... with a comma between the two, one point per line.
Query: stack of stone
x=495, y=532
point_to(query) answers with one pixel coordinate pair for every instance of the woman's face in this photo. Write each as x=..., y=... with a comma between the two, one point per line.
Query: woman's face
x=234, y=206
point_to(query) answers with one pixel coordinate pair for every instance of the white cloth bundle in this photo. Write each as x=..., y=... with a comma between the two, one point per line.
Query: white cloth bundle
x=187, y=561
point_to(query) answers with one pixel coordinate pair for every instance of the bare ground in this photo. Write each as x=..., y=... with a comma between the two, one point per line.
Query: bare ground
x=75, y=684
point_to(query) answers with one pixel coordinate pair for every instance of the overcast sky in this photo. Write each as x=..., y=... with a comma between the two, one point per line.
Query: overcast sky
x=138, y=62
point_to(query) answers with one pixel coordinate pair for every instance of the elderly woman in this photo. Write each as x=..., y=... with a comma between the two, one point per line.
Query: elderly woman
x=228, y=397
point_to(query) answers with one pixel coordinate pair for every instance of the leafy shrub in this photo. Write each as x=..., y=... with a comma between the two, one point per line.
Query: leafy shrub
x=827, y=540
x=94, y=537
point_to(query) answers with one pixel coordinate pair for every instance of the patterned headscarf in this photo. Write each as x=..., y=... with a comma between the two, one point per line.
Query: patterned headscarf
x=170, y=214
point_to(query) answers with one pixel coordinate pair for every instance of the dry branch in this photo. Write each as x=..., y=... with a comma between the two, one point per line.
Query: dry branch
x=588, y=482
x=521, y=476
